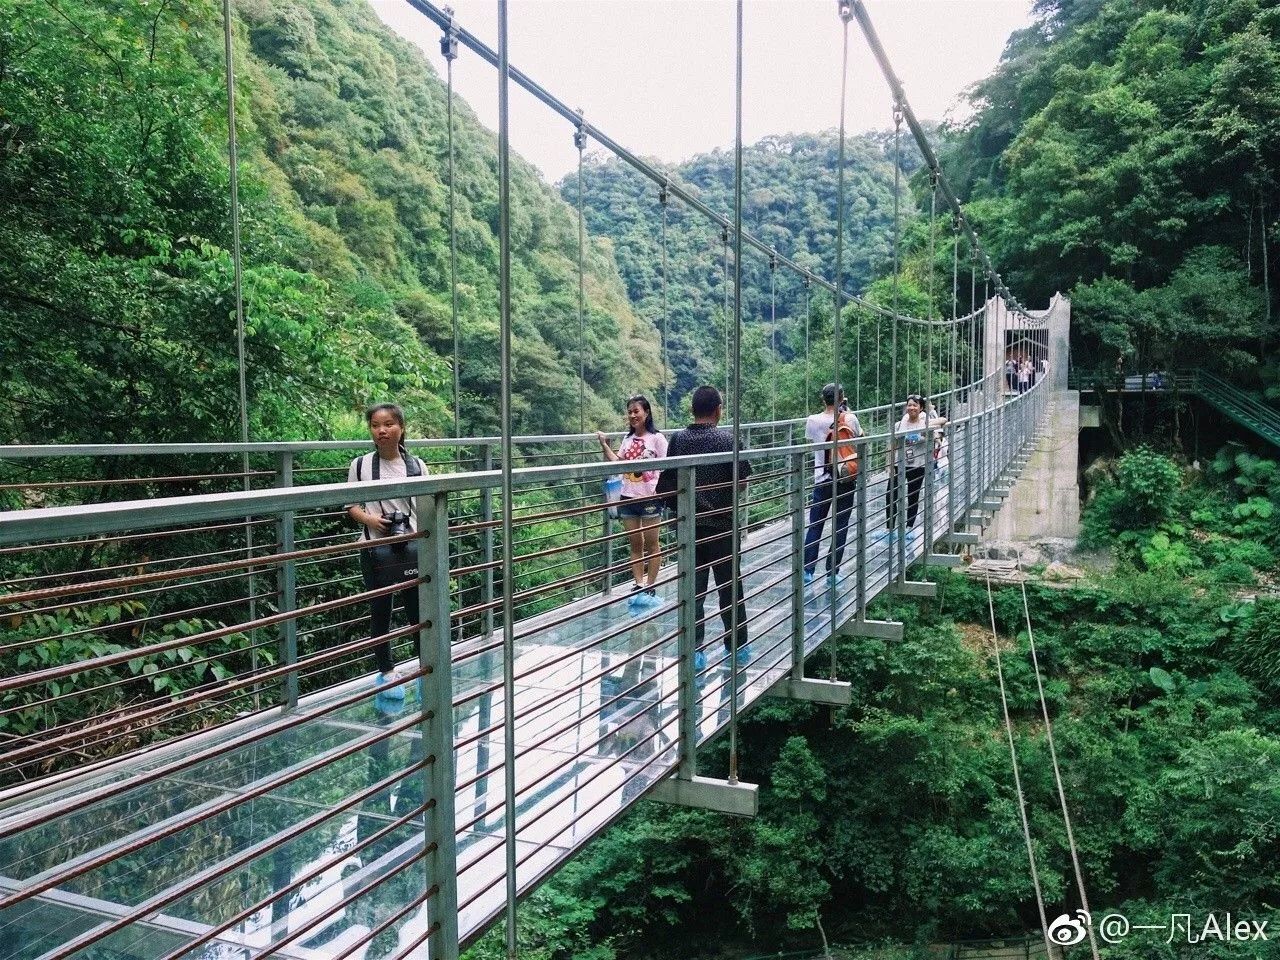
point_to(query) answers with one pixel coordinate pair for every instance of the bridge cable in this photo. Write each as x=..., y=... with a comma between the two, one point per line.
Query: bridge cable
x=843, y=9
x=237, y=273
x=953, y=404
x=663, y=195
x=580, y=142
x=466, y=38
x=897, y=270
x=807, y=386
x=728, y=363
x=508, y=538
x=773, y=335
x=1057, y=771
x=1017, y=777
x=449, y=50
x=736, y=536
x=928, y=391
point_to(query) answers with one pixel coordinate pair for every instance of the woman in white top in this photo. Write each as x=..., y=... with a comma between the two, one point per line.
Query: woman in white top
x=392, y=563
x=914, y=432
x=637, y=507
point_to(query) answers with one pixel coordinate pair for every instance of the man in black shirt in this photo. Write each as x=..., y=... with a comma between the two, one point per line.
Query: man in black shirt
x=714, y=525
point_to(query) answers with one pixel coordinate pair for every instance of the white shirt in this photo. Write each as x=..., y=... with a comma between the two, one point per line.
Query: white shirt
x=916, y=436
x=387, y=470
x=816, y=428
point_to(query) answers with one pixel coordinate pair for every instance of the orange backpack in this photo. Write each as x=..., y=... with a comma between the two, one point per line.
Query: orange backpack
x=845, y=462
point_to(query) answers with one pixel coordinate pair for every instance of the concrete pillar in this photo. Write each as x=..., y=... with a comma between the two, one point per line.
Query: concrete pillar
x=1045, y=502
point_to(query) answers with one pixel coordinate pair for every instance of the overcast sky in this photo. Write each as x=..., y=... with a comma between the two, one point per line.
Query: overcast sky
x=657, y=75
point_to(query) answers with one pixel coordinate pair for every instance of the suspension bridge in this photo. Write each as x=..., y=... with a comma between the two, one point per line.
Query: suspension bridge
x=194, y=764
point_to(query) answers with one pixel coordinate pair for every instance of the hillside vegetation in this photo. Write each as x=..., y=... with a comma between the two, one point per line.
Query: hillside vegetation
x=115, y=268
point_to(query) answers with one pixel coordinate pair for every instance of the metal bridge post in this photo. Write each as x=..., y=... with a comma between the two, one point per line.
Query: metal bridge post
x=687, y=559
x=796, y=501
x=435, y=691
x=287, y=589
x=927, y=493
x=486, y=517
x=860, y=533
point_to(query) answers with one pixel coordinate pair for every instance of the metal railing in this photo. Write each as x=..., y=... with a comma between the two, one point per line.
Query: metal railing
x=181, y=773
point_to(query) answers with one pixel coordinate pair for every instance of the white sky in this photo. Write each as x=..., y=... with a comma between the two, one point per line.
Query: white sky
x=657, y=75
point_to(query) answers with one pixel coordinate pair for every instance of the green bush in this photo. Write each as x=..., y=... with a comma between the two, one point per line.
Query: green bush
x=1144, y=493
x=1256, y=651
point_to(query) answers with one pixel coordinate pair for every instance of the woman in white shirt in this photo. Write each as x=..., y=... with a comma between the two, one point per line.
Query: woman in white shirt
x=385, y=565
x=914, y=432
x=637, y=507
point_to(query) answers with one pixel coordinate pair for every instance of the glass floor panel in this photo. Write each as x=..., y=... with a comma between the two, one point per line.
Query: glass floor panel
x=266, y=844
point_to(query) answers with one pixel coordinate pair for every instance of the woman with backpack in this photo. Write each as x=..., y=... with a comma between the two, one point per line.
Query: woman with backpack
x=388, y=564
x=833, y=478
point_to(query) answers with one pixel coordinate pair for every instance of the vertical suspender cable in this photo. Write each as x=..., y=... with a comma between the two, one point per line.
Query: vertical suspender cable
x=508, y=538
x=736, y=540
x=1017, y=776
x=928, y=390
x=807, y=388
x=236, y=268
x=580, y=141
x=728, y=323
x=666, y=385
x=237, y=274
x=843, y=9
x=773, y=335
x=449, y=50
x=897, y=237
x=891, y=409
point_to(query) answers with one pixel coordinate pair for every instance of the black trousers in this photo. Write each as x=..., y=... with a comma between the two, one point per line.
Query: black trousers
x=915, y=480
x=380, y=623
x=714, y=552
x=380, y=614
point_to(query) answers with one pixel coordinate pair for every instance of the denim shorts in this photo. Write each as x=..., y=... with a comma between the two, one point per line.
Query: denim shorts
x=645, y=509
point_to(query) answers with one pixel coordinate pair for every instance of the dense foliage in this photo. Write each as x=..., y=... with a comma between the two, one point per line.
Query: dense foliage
x=115, y=266
x=895, y=820
x=1125, y=153
x=790, y=201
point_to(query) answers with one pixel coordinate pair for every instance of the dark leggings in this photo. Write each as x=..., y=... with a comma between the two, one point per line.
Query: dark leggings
x=380, y=623
x=915, y=479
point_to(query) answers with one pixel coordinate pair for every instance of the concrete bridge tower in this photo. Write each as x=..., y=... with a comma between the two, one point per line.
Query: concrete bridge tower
x=1046, y=501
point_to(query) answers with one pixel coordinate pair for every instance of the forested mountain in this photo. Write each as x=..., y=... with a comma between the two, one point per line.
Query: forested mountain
x=115, y=267
x=1126, y=153
x=789, y=202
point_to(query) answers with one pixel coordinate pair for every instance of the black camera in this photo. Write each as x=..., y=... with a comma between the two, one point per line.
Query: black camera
x=397, y=523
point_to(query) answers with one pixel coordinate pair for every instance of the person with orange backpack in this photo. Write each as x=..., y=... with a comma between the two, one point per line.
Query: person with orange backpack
x=834, y=478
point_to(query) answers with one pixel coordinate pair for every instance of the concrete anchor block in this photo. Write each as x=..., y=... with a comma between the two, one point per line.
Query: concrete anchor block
x=705, y=793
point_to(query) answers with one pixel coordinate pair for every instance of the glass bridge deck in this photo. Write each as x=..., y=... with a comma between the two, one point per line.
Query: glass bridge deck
x=337, y=851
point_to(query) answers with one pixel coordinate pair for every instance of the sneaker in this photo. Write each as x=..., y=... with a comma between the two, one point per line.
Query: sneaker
x=699, y=661
x=808, y=577
x=832, y=580
x=743, y=656
x=651, y=598
x=390, y=685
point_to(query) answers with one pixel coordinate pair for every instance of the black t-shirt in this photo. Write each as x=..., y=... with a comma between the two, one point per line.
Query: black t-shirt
x=699, y=438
